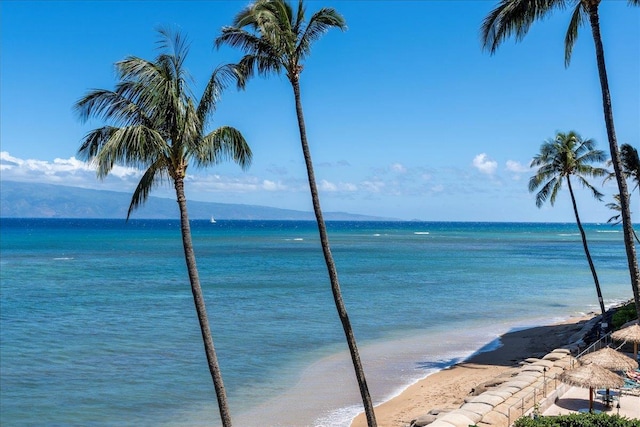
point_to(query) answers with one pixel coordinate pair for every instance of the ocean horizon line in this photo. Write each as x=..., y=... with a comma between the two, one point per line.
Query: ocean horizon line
x=137, y=219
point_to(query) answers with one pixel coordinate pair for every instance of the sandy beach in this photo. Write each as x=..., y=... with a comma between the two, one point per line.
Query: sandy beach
x=448, y=388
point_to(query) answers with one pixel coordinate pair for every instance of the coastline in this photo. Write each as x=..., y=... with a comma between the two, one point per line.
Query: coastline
x=447, y=389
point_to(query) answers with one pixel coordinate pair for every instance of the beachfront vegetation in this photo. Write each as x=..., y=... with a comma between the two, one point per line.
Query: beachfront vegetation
x=276, y=39
x=514, y=18
x=560, y=158
x=577, y=420
x=623, y=315
x=158, y=126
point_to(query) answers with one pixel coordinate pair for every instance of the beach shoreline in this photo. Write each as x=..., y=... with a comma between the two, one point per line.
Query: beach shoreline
x=447, y=389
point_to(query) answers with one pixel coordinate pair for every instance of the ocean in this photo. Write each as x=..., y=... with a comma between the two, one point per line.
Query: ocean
x=98, y=326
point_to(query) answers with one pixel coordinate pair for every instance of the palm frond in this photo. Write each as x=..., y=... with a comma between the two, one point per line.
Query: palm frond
x=93, y=142
x=514, y=18
x=592, y=156
x=594, y=191
x=246, y=17
x=555, y=190
x=108, y=105
x=630, y=164
x=134, y=146
x=319, y=23
x=260, y=54
x=299, y=22
x=224, y=143
x=242, y=39
x=150, y=179
x=175, y=47
x=577, y=19
x=549, y=189
x=220, y=79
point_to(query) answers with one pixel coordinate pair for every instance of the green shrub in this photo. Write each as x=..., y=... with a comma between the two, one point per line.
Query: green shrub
x=624, y=314
x=577, y=420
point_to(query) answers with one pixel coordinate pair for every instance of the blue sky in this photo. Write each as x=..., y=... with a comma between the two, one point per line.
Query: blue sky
x=407, y=117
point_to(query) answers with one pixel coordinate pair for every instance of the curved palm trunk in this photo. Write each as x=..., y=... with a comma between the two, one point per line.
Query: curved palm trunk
x=198, y=299
x=331, y=267
x=586, y=247
x=627, y=225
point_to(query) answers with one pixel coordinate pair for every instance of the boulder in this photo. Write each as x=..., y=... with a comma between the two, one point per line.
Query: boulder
x=473, y=416
x=440, y=423
x=488, y=399
x=495, y=419
x=519, y=384
x=423, y=420
x=544, y=363
x=504, y=394
x=457, y=419
x=477, y=407
x=533, y=368
x=554, y=356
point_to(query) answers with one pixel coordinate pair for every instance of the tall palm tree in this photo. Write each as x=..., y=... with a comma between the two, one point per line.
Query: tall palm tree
x=158, y=126
x=275, y=39
x=559, y=159
x=514, y=17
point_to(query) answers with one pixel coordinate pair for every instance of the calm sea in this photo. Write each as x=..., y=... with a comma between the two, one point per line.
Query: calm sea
x=98, y=326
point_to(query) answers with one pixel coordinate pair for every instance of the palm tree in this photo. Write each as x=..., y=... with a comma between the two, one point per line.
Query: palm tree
x=157, y=126
x=630, y=165
x=559, y=159
x=514, y=17
x=275, y=39
x=615, y=220
x=631, y=170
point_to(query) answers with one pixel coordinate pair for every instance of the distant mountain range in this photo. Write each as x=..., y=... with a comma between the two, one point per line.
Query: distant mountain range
x=34, y=200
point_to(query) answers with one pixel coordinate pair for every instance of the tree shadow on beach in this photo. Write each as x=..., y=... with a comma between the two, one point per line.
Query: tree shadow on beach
x=519, y=344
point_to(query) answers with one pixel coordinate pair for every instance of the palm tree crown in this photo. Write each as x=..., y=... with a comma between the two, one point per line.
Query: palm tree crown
x=279, y=38
x=514, y=18
x=567, y=154
x=157, y=125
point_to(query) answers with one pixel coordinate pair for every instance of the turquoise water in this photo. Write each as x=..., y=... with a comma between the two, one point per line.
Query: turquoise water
x=98, y=326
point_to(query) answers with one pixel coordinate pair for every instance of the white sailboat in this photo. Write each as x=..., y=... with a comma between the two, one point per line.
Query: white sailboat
x=213, y=221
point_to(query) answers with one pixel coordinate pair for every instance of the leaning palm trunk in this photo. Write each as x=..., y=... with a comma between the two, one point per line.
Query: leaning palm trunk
x=198, y=299
x=586, y=247
x=331, y=267
x=627, y=225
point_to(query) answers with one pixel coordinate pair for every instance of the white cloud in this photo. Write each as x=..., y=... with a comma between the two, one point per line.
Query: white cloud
x=269, y=185
x=328, y=186
x=15, y=168
x=484, y=164
x=7, y=161
x=373, y=186
x=517, y=167
x=397, y=167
